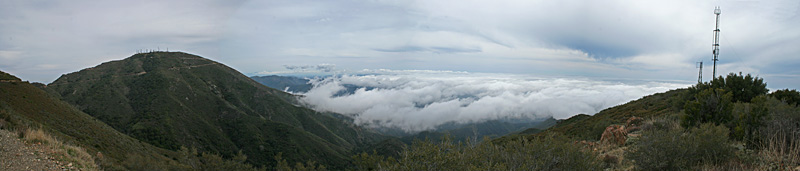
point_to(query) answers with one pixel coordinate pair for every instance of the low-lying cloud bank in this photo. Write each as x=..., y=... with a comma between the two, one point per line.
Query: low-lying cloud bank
x=421, y=100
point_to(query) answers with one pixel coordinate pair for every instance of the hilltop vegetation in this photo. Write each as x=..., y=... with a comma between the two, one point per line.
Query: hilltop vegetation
x=174, y=99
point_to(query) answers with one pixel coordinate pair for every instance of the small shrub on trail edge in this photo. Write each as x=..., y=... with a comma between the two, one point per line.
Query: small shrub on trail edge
x=678, y=149
x=37, y=136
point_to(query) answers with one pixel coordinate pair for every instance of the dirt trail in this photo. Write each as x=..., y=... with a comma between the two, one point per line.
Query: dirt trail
x=16, y=155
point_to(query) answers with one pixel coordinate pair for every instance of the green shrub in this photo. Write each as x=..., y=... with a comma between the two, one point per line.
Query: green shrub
x=710, y=105
x=791, y=97
x=749, y=117
x=215, y=162
x=677, y=149
x=282, y=165
x=540, y=153
x=189, y=160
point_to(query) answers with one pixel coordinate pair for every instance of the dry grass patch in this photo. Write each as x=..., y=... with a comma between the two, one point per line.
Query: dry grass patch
x=74, y=156
x=38, y=137
x=781, y=153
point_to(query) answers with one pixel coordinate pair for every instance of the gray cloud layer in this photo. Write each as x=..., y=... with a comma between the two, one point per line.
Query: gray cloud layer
x=39, y=40
x=42, y=39
x=421, y=99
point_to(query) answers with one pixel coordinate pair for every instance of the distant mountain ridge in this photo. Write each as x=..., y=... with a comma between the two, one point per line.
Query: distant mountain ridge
x=173, y=99
x=285, y=83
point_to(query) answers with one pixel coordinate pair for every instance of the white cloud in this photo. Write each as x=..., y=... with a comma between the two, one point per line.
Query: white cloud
x=421, y=100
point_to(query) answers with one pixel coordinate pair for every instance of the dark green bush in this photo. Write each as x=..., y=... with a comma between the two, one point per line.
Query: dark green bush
x=749, y=117
x=791, y=97
x=677, y=149
x=710, y=105
x=743, y=87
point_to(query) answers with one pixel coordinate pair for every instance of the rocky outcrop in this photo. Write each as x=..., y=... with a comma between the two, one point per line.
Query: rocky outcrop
x=614, y=134
x=618, y=134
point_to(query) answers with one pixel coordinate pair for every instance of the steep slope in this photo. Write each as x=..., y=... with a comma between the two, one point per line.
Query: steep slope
x=656, y=105
x=23, y=105
x=173, y=99
x=292, y=84
x=587, y=127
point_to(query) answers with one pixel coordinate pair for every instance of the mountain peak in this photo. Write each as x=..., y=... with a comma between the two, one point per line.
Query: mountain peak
x=174, y=99
x=161, y=54
x=140, y=64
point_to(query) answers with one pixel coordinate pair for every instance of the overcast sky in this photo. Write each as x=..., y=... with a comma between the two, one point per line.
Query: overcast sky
x=643, y=39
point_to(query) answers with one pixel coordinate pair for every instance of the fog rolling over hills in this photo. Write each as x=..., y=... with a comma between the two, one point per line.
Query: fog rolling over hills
x=424, y=100
x=458, y=131
x=174, y=99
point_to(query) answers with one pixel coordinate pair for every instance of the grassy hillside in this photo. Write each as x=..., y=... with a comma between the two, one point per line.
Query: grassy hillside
x=24, y=106
x=173, y=99
x=587, y=127
x=7, y=77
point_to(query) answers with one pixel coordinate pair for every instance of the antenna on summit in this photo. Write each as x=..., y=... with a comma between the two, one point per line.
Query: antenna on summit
x=700, y=73
x=715, y=46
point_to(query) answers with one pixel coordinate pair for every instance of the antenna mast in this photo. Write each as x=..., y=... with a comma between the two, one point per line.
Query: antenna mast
x=700, y=73
x=716, y=44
